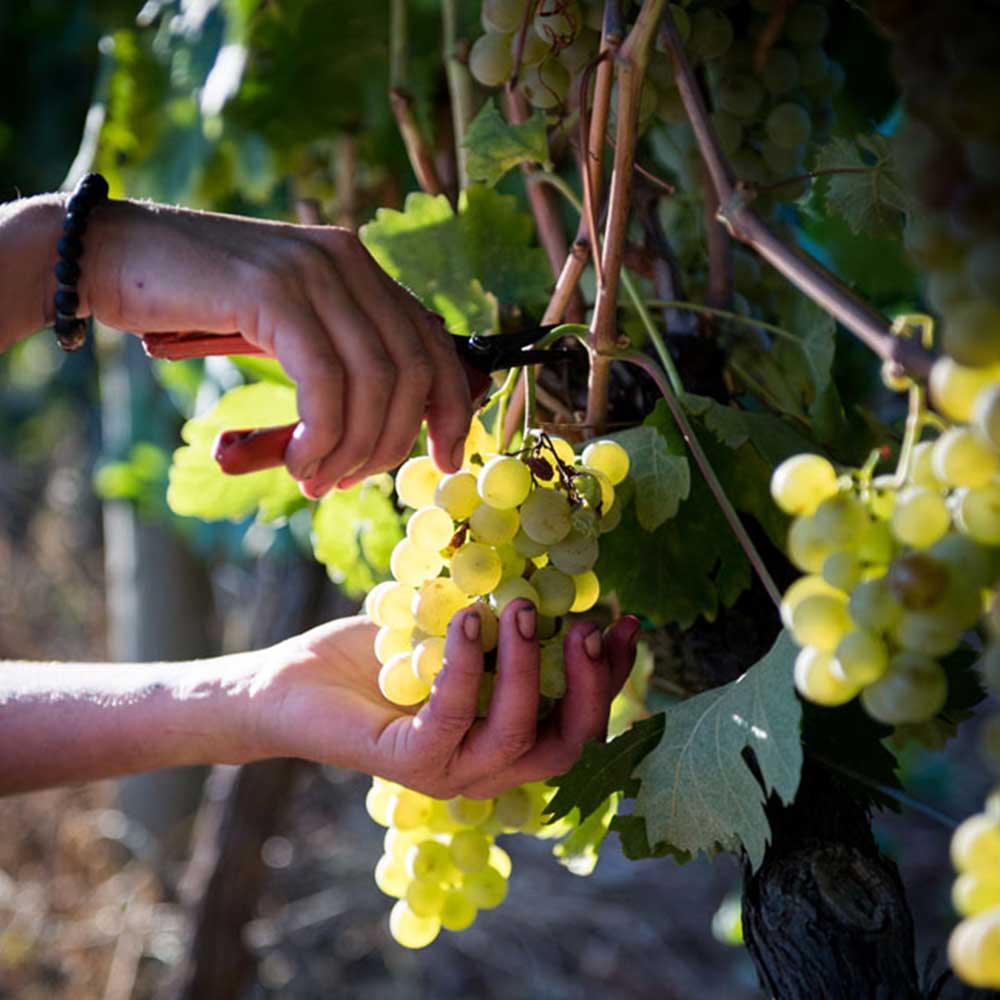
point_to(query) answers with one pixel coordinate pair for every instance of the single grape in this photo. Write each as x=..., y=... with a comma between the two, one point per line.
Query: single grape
x=470, y=812
x=458, y=911
x=378, y=800
x=820, y=621
x=513, y=808
x=954, y=388
x=608, y=457
x=430, y=528
x=503, y=16
x=388, y=604
x=545, y=516
x=494, y=526
x=964, y=557
x=399, y=684
x=922, y=468
x=430, y=860
x=808, y=547
x=575, y=554
x=437, y=602
x=397, y=842
x=409, y=811
x=612, y=518
x=917, y=580
x=913, y=689
x=546, y=85
x=973, y=950
x=476, y=568
x=549, y=446
x=788, y=125
x=840, y=520
x=975, y=846
x=504, y=482
x=490, y=59
x=535, y=49
x=783, y=162
x=556, y=591
x=458, y=495
x=557, y=22
x=425, y=897
x=978, y=514
x=781, y=71
x=816, y=681
x=416, y=481
x=527, y=547
x=972, y=332
x=962, y=458
x=428, y=658
x=920, y=517
x=391, y=877
x=801, y=483
x=412, y=565
x=971, y=895
x=605, y=495
x=390, y=642
x=470, y=850
x=740, y=94
x=872, y=605
x=861, y=657
x=486, y=888
x=803, y=587
x=511, y=590
x=588, y=590
x=986, y=414
x=409, y=929
x=711, y=33
x=513, y=562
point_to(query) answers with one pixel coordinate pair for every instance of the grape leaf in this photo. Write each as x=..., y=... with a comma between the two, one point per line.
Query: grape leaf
x=354, y=533
x=603, y=769
x=198, y=487
x=496, y=146
x=697, y=790
x=456, y=264
x=635, y=843
x=869, y=198
x=661, y=480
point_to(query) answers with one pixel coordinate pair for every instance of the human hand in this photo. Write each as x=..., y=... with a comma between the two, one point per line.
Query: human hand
x=322, y=701
x=370, y=363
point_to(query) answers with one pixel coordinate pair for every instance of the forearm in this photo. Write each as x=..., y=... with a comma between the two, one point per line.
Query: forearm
x=67, y=723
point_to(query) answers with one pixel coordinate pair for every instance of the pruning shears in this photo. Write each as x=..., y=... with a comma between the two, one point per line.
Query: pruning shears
x=242, y=451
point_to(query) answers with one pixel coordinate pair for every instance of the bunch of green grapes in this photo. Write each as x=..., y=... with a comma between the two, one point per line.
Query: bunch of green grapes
x=944, y=57
x=524, y=525
x=897, y=570
x=974, y=947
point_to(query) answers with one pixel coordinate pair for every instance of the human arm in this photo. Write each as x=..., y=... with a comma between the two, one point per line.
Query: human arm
x=370, y=363
x=314, y=696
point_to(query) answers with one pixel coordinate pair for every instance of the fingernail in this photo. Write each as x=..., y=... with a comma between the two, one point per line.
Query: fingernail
x=310, y=470
x=458, y=454
x=471, y=626
x=593, y=644
x=526, y=621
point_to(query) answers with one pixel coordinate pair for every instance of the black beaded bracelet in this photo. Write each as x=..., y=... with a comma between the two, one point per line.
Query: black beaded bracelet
x=71, y=332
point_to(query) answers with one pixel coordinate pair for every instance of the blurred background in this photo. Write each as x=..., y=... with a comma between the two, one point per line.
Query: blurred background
x=115, y=890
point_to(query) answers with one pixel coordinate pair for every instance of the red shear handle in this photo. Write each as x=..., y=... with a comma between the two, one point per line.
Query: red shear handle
x=240, y=452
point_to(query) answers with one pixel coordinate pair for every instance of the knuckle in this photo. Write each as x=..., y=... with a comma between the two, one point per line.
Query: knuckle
x=513, y=744
x=420, y=370
x=377, y=372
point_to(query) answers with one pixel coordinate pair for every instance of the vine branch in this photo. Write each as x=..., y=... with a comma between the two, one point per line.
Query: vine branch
x=813, y=280
x=459, y=89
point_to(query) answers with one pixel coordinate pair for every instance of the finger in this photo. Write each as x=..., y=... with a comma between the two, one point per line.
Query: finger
x=582, y=715
x=370, y=385
x=620, y=642
x=301, y=345
x=449, y=405
x=512, y=723
x=443, y=722
x=404, y=345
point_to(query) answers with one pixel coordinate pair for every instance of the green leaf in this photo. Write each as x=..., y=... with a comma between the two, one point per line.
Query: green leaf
x=495, y=146
x=697, y=790
x=354, y=533
x=578, y=852
x=661, y=480
x=869, y=198
x=457, y=264
x=199, y=488
x=635, y=843
x=603, y=769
